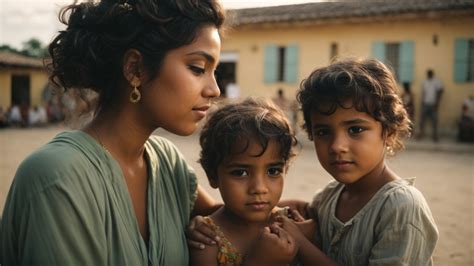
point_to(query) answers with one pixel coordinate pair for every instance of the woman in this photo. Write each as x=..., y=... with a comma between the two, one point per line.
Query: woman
x=110, y=193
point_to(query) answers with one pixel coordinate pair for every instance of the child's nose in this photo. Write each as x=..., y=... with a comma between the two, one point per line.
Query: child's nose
x=338, y=144
x=258, y=185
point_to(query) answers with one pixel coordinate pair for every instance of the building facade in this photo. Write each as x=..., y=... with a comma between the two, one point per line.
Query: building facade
x=277, y=47
x=22, y=80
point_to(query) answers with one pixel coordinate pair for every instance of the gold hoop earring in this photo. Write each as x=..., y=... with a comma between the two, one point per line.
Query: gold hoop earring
x=135, y=95
x=390, y=151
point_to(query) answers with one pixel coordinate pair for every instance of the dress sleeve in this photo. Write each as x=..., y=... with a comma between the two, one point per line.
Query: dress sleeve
x=49, y=224
x=406, y=233
x=50, y=229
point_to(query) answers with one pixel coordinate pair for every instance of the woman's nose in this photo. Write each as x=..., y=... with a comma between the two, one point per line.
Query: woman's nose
x=212, y=89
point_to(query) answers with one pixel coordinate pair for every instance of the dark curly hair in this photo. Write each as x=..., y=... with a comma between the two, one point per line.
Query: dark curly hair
x=88, y=54
x=371, y=87
x=253, y=118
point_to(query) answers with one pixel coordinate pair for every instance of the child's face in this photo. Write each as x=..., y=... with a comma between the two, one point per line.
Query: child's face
x=249, y=185
x=349, y=144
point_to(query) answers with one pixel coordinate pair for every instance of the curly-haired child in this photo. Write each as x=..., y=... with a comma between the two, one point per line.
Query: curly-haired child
x=368, y=215
x=246, y=150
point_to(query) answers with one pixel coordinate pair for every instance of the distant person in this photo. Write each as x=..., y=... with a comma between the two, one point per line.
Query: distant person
x=232, y=90
x=34, y=117
x=246, y=151
x=408, y=101
x=25, y=113
x=3, y=118
x=432, y=91
x=37, y=116
x=466, y=123
x=15, y=118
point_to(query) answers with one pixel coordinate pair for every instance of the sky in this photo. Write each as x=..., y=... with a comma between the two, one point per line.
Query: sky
x=21, y=20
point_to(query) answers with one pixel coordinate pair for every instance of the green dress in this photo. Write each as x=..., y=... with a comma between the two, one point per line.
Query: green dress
x=69, y=205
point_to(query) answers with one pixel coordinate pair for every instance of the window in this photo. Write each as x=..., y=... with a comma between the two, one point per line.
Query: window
x=399, y=55
x=281, y=64
x=392, y=57
x=464, y=60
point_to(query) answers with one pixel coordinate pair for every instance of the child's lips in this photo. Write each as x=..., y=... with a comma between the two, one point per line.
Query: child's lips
x=258, y=205
x=342, y=164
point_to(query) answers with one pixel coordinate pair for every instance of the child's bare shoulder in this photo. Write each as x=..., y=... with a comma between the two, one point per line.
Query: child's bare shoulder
x=205, y=257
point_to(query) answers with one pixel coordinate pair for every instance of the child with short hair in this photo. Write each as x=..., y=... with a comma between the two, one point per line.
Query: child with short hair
x=246, y=150
x=368, y=215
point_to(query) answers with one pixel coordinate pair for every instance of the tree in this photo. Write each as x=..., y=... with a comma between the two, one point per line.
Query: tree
x=34, y=48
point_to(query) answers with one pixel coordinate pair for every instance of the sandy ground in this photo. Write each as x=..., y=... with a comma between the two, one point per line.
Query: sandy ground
x=445, y=177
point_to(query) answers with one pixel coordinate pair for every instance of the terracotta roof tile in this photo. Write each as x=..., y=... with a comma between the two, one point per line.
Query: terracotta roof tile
x=344, y=9
x=9, y=59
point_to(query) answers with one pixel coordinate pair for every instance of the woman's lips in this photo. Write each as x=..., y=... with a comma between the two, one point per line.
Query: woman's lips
x=201, y=111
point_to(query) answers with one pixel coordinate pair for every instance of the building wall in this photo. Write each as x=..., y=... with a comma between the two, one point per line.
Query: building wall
x=38, y=80
x=356, y=39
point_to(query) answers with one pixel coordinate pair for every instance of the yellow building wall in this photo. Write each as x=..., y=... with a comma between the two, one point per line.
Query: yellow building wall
x=38, y=81
x=356, y=39
x=5, y=92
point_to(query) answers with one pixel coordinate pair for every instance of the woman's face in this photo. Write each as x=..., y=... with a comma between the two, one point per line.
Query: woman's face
x=179, y=97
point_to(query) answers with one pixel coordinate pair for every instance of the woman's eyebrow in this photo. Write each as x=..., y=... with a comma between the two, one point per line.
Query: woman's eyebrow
x=207, y=56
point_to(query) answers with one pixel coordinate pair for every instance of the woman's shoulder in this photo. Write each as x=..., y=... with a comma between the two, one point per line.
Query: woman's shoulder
x=55, y=161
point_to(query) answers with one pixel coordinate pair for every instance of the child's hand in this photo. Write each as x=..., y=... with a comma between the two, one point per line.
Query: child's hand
x=274, y=247
x=288, y=212
x=200, y=234
x=298, y=229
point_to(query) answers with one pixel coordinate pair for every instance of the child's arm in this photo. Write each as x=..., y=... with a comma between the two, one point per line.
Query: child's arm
x=205, y=204
x=198, y=232
x=308, y=254
x=203, y=257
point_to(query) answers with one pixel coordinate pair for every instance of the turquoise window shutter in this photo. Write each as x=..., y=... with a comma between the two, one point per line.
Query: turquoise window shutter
x=461, y=50
x=270, y=64
x=406, y=61
x=378, y=51
x=291, y=64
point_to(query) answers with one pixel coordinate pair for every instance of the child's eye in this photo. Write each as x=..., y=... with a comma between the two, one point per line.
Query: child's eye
x=320, y=132
x=275, y=171
x=239, y=172
x=197, y=70
x=355, y=130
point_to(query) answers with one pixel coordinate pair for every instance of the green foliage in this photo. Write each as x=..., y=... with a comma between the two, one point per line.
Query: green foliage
x=32, y=48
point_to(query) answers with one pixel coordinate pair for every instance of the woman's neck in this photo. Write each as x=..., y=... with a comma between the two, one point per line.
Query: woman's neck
x=120, y=134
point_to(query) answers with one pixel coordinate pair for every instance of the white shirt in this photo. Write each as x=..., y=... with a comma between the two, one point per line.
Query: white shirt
x=430, y=89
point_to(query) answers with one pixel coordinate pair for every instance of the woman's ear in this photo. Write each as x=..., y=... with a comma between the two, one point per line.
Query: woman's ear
x=132, y=66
